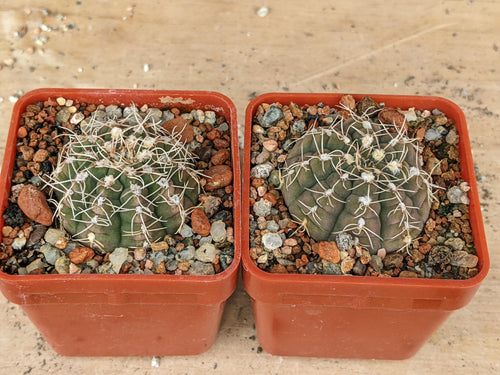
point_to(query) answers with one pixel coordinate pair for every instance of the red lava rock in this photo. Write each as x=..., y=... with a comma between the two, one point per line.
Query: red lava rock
x=22, y=132
x=408, y=274
x=220, y=157
x=213, y=134
x=279, y=268
x=179, y=125
x=270, y=145
x=218, y=176
x=34, y=205
x=348, y=101
x=81, y=254
x=40, y=156
x=303, y=261
x=200, y=222
x=220, y=143
x=393, y=117
x=329, y=251
x=271, y=198
x=27, y=152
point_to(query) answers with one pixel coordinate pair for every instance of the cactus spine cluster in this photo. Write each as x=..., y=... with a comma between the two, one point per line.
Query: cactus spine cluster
x=123, y=182
x=358, y=176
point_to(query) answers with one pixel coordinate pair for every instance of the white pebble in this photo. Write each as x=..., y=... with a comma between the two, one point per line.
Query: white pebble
x=218, y=231
x=77, y=118
x=263, y=11
x=271, y=241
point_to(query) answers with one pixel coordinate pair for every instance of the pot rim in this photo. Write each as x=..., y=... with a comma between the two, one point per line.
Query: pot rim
x=451, y=110
x=167, y=98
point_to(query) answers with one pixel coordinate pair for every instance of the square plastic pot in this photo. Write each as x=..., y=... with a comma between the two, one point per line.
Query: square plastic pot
x=126, y=315
x=356, y=316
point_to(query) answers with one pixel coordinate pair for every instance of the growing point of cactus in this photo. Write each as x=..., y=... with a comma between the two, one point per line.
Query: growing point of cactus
x=123, y=183
x=361, y=177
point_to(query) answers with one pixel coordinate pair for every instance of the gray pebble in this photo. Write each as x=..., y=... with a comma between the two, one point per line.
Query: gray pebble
x=63, y=115
x=463, y=259
x=157, y=257
x=274, y=178
x=359, y=268
x=36, y=264
x=127, y=111
x=273, y=226
x=271, y=241
x=167, y=115
x=376, y=263
x=435, y=133
x=36, y=180
x=436, y=112
x=261, y=170
x=455, y=243
x=452, y=137
x=330, y=268
x=211, y=205
x=186, y=254
x=298, y=127
x=113, y=111
x=218, y=231
x=188, y=117
x=18, y=243
x=201, y=268
x=117, y=258
x=285, y=262
x=186, y=231
x=288, y=144
x=272, y=116
x=194, y=145
x=210, y=117
x=53, y=234
x=204, y=240
x=262, y=157
x=206, y=253
x=106, y=268
x=90, y=265
x=456, y=195
x=262, y=207
x=51, y=253
x=99, y=115
x=154, y=114
x=344, y=241
x=62, y=265
x=171, y=265
x=225, y=260
x=441, y=239
x=224, y=127
x=36, y=235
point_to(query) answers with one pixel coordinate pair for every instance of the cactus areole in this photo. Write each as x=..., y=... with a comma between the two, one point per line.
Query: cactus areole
x=360, y=177
x=123, y=182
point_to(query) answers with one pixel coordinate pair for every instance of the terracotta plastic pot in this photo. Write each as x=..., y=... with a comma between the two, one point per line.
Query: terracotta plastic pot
x=126, y=315
x=355, y=316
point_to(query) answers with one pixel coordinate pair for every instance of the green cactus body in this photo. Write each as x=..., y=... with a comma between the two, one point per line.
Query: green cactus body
x=361, y=177
x=123, y=185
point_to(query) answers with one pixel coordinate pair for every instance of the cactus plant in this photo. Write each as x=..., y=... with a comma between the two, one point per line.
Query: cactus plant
x=123, y=182
x=358, y=176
